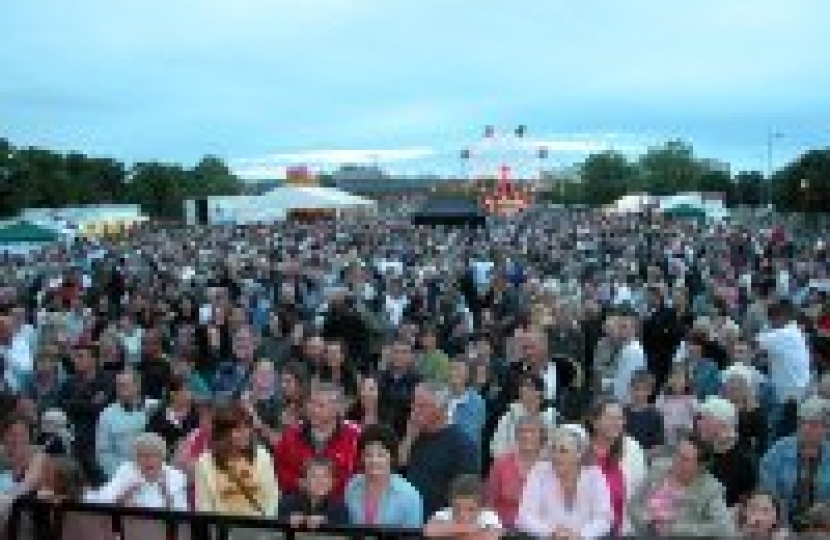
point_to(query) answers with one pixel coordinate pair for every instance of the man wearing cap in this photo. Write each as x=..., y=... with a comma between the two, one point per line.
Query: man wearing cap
x=797, y=468
x=732, y=464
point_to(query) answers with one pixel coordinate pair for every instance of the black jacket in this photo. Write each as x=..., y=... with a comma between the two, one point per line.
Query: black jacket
x=662, y=333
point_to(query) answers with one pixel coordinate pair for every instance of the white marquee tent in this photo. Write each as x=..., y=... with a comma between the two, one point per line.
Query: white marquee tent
x=632, y=204
x=279, y=203
x=712, y=208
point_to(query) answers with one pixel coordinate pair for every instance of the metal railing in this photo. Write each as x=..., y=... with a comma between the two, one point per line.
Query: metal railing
x=33, y=519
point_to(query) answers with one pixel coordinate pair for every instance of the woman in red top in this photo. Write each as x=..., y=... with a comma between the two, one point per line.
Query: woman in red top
x=508, y=473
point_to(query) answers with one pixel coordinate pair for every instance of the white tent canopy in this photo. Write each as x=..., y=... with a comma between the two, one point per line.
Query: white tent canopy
x=314, y=197
x=278, y=203
x=632, y=204
x=713, y=209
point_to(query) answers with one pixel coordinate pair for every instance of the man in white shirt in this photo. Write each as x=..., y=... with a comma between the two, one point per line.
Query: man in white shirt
x=788, y=361
x=24, y=332
x=481, y=273
x=630, y=357
x=395, y=302
x=623, y=294
x=533, y=348
x=15, y=354
x=787, y=353
x=783, y=282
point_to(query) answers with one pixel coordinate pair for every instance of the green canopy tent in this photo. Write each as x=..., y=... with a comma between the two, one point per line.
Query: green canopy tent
x=685, y=211
x=23, y=232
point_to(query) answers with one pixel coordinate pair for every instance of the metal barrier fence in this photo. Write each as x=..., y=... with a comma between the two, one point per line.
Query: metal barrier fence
x=32, y=519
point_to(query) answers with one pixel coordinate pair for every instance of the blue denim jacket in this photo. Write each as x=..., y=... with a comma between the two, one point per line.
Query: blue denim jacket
x=470, y=415
x=779, y=469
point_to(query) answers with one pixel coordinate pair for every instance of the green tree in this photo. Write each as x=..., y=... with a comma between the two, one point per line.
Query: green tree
x=606, y=177
x=108, y=178
x=670, y=168
x=212, y=177
x=158, y=188
x=714, y=180
x=8, y=191
x=804, y=184
x=43, y=179
x=748, y=189
x=36, y=177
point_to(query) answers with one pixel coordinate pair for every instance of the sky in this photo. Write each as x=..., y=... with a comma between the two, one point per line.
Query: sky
x=407, y=85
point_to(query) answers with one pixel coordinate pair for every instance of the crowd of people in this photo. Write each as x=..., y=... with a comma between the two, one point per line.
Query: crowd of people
x=561, y=374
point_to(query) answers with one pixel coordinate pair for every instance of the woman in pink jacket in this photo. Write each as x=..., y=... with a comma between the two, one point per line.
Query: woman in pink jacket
x=564, y=498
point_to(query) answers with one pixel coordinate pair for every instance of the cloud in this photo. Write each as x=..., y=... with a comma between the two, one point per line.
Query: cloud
x=250, y=76
x=275, y=164
x=582, y=145
x=577, y=143
x=260, y=172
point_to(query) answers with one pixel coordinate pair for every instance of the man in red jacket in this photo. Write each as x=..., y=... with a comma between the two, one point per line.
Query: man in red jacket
x=323, y=434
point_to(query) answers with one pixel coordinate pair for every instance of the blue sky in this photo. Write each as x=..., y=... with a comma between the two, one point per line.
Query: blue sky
x=269, y=83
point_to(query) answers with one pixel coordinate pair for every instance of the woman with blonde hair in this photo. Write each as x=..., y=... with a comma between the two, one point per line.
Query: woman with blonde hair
x=564, y=497
x=146, y=481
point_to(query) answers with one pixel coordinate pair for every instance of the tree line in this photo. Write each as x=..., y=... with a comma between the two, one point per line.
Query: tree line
x=800, y=186
x=36, y=177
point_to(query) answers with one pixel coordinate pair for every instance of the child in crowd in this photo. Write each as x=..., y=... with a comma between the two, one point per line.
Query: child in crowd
x=760, y=517
x=642, y=419
x=466, y=519
x=314, y=505
x=677, y=403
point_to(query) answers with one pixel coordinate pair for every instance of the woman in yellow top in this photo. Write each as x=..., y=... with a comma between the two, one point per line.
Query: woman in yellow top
x=235, y=476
